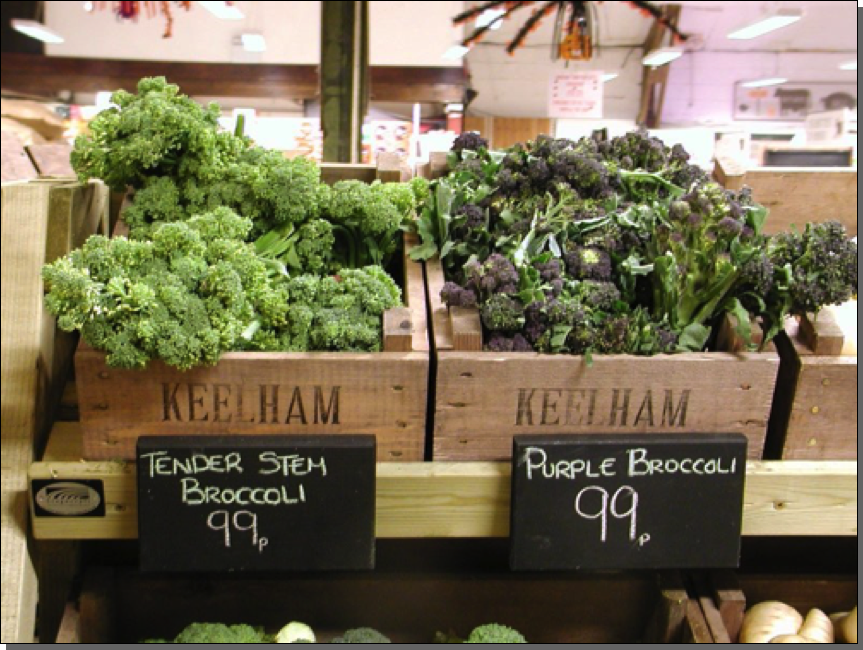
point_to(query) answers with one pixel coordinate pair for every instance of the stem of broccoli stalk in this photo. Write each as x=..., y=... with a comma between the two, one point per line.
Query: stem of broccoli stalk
x=673, y=189
x=351, y=247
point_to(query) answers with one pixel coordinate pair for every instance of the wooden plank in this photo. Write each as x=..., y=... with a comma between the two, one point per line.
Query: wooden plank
x=508, y=131
x=98, y=607
x=471, y=500
x=57, y=565
x=696, y=630
x=44, y=76
x=483, y=399
x=52, y=159
x=796, y=197
x=724, y=588
x=70, y=625
x=383, y=394
x=332, y=173
x=415, y=296
x=438, y=313
x=823, y=334
x=466, y=329
x=814, y=414
x=24, y=228
x=392, y=168
x=666, y=626
x=729, y=173
x=711, y=610
x=398, y=330
x=407, y=607
x=15, y=165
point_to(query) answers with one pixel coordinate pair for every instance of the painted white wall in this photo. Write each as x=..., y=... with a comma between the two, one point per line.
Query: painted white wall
x=402, y=33
x=701, y=84
x=413, y=33
x=518, y=86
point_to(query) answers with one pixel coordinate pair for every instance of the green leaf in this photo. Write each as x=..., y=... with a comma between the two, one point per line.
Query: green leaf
x=554, y=246
x=743, y=325
x=561, y=334
x=424, y=252
x=757, y=217
x=694, y=338
x=447, y=248
x=292, y=259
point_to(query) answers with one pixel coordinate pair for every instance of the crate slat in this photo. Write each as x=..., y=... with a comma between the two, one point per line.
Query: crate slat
x=796, y=196
x=814, y=414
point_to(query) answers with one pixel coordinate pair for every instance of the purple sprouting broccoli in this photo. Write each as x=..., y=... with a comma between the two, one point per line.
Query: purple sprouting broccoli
x=454, y=295
x=470, y=141
x=588, y=263
x=599, y=296
x=474, y=216
x=502, y=313
x=497, y=275
x=499, y=342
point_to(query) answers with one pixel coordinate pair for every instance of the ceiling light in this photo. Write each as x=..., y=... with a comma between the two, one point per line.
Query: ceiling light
x=609, y=76
x=36, y=30
x=851, y=65
x=223, y=10
x=662, y=56
x=254, y=42
x=490, y=17
x=767, y=24
x=763, y=83
x=456, y=52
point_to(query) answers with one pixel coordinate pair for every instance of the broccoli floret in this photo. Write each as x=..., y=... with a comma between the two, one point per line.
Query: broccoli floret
x=455, y=296
x=824, y=266
x=296, y=632
x=219, y=633
x=494, y=633
x=184, y=298
x=470, y=141
x=589, y=264
x=362, y=635
x=502, y=313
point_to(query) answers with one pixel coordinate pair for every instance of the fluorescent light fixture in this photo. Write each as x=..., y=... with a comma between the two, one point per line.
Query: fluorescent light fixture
x=490, y=17
x=763, y=83
x=254, y=42
x=222, y=10
x=851, y=65
x=662, y=56
x=36, y=30
x=456, y=52
x=609, y=76
x=767, y=24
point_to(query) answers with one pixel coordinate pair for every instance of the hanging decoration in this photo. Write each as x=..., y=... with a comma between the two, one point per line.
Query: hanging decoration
x=133, y=10
x=574, y=28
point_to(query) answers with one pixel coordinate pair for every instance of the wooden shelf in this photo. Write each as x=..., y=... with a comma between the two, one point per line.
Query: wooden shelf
x=471, y=500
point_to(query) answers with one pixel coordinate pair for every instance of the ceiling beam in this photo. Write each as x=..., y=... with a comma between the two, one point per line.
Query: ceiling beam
x=47, y=76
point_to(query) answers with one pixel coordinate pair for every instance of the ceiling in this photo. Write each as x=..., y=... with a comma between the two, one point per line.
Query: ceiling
x=826, y=26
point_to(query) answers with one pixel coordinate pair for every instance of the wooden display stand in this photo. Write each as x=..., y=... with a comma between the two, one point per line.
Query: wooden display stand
x=41, y=221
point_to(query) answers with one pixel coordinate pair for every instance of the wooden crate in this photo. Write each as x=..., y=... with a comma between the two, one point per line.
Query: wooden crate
x=124, y=606
x=814, y=414
x=384, y=393
x=797, y=196
x=482, y=399
x=41, y=220
x=725, y=597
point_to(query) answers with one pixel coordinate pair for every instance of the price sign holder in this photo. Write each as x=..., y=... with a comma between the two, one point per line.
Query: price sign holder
x=622, y=502
x=256, y=503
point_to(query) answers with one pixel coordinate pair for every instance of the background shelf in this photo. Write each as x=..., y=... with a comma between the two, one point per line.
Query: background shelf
x=471, y=500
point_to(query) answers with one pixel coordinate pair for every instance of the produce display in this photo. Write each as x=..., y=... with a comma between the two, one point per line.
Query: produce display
x=231, y=246
x=620, y=246
x=296, y=632
x=775, y=622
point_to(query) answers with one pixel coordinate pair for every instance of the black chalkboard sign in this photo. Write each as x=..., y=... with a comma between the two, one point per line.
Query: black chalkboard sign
x=256, y=503
x=627, y=502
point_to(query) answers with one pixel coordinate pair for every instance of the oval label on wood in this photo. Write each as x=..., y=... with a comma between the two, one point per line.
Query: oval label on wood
x=68, y=498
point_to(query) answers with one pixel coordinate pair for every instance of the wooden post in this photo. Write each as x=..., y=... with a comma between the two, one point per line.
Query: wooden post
x=656, y=79
x=344, y=78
